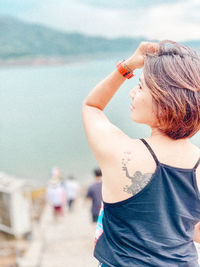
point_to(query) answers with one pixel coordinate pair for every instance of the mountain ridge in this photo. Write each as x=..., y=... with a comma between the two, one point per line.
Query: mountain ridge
x=21, y=40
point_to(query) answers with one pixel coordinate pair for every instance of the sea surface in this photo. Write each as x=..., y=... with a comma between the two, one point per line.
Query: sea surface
x=40, y=118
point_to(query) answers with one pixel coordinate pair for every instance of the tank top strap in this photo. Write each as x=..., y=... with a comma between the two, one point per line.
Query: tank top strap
x=197, y=164
x=150, y=150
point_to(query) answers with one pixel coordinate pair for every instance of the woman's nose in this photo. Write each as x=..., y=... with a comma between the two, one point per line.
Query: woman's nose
x=132, y=93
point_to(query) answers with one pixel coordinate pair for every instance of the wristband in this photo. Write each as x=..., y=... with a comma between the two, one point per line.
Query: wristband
x=125, y=72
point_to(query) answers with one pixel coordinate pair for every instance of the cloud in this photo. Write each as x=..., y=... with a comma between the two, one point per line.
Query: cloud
x=174, y=21
x=178, y=20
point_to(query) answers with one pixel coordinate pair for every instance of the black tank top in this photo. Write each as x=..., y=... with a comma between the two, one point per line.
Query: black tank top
x=155, y=227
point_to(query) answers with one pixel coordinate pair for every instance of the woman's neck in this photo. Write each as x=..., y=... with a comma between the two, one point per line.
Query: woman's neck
x=158, y=136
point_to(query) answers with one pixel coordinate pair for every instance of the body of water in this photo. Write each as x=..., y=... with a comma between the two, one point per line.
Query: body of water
x=40, y=118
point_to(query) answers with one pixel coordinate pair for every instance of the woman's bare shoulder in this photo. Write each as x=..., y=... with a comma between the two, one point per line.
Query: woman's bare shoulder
x=132, y=160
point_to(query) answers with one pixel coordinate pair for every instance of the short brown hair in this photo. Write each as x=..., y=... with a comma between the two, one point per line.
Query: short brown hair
x=173, y=77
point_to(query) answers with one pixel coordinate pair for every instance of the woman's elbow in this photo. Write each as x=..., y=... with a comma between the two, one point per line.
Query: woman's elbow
x=87, y=105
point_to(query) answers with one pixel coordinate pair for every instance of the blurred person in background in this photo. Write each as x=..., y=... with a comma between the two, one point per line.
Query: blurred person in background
x=72, y=190
x=56, y=196
x=150, y=186
x=94, y=193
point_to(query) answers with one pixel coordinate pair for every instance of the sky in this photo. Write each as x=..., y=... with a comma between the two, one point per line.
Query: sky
x=178, y=20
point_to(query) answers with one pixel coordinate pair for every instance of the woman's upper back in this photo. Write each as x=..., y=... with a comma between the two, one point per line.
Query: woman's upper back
x=132, y=164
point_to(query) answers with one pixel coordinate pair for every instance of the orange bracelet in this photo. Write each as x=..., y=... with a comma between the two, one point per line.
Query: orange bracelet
x=126, y=73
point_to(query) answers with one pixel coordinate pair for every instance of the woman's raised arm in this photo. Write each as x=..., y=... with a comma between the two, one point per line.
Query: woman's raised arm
x=100, y=132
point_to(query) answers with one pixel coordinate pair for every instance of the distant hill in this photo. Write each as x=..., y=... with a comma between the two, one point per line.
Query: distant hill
x=19, y=40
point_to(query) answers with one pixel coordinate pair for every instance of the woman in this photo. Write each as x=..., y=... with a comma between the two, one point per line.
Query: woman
x=150, y=186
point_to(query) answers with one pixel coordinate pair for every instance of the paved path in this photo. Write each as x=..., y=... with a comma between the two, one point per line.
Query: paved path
x=68, y=241
x=65, y=242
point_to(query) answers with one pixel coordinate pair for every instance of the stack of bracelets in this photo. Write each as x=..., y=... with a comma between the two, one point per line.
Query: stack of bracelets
x=124, y=70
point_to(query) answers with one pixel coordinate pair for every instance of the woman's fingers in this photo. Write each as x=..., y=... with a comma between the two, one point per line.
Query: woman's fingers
x=148, y=47
x=152, y=48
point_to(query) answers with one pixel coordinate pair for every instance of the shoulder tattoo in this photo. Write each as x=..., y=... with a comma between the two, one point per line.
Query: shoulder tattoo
x=138, y=180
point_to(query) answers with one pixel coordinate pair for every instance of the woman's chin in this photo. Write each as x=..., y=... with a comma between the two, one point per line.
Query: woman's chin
x=133, y=118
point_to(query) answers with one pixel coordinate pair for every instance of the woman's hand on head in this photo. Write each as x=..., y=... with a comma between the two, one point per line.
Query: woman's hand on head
x=136, y=61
